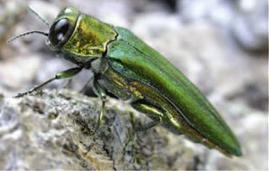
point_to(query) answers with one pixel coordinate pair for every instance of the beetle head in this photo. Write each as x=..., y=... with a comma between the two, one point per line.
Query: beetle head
x=80, y=37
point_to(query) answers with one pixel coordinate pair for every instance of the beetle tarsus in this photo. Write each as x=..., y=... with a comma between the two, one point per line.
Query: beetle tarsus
x=101, y=114
x=36, y=88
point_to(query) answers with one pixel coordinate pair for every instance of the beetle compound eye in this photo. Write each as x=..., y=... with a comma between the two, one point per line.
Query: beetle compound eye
x=59, y=32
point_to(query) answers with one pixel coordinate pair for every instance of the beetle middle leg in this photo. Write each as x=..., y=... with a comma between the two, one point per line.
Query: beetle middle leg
x=61, y=75
x=101, y=93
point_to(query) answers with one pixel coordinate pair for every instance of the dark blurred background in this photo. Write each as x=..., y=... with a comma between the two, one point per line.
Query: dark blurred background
x=221, y=45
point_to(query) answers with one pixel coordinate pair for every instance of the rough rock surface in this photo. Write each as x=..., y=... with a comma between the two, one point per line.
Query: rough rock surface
x=57, y=130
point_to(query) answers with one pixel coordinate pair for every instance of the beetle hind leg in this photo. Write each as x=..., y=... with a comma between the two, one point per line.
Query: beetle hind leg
x=153, y=112
x=157, y=115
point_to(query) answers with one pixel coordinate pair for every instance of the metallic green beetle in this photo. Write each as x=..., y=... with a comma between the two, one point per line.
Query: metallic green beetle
x=126, y=67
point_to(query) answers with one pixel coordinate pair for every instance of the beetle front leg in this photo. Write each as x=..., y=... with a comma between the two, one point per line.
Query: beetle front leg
x=61, y=75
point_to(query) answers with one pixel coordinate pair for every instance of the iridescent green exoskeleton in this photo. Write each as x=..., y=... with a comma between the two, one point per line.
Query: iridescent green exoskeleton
x=125, y=66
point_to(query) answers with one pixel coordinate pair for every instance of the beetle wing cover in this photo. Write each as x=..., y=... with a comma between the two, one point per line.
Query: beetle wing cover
x=161, y=74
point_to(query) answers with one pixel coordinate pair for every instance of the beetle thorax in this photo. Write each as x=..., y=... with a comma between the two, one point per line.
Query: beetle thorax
x=90, y=38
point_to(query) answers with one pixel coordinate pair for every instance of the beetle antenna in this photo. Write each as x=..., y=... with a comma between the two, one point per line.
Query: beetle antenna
x=26, y=34
x=38, y=16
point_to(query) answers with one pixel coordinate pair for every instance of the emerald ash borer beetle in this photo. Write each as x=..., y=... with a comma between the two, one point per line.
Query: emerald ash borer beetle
x=126, y=67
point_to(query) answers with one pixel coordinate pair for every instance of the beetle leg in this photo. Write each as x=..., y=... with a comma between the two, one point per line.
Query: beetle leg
x=61, y=75
x=101, y=93
x=152, y=111
x=157, y=115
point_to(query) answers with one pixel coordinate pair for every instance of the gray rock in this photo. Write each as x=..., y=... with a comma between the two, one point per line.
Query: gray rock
x=57, y=131
x=245, y=20
x=250, y=25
